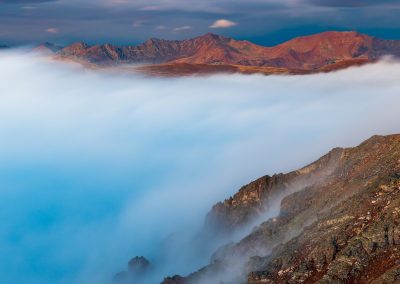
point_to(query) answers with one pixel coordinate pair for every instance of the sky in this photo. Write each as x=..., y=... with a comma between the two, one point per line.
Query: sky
x=96, y=168
x=123, y=22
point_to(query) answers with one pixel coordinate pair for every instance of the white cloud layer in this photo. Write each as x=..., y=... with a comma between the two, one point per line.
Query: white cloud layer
x=96, y=168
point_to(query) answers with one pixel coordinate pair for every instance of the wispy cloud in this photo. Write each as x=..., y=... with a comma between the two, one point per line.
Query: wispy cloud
x=151, y=8
x=52, y=30
x=347, y=3
x=160, y=27
x=105, y=20
x=182, y=28
x=138, y=23
x=26, y=1
x=117, y=2
x=29, y=7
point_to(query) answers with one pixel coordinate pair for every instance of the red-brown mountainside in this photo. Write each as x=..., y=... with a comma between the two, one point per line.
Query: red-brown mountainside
x=310, y=53
x=338, y=222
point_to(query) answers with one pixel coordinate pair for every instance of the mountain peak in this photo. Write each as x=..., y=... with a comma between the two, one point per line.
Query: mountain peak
x=48, y=46
x=156, y=41
x=212, y=36
x=77, y=49
x=80, y=44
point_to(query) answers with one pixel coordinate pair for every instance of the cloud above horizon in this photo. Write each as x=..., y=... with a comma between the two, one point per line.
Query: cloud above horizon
x=264, y=21
x=182, y=28
x=25, y=1
x=52, y=30
x=223, y=24
x=350, y=3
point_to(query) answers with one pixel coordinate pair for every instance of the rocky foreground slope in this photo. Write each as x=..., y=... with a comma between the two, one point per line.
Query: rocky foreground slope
x=337, y=221
x=212, y=53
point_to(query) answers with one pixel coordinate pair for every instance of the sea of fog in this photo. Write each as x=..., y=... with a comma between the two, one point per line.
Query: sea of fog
x=98, y=167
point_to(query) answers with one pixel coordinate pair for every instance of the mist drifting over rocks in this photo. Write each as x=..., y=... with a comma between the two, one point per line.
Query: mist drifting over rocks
x=98, y=167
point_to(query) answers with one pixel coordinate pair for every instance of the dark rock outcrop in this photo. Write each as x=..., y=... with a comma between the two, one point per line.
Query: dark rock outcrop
x=138, y=264
x=138, y=268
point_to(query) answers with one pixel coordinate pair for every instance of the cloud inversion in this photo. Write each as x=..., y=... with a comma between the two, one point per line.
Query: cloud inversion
x=96, y=168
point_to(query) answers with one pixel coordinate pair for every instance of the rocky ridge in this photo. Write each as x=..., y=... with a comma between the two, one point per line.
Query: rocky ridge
x=212, y=53
x=337, y=222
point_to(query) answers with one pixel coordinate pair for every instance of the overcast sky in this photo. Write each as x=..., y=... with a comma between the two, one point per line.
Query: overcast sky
x=133, y=21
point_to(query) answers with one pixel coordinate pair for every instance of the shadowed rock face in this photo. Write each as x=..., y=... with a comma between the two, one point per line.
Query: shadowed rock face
x=138, y=264
x=339, y=222
x=138, y=269
x=263, y=195
x=317, y=53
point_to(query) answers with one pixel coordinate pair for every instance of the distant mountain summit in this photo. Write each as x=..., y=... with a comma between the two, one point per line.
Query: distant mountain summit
x=48, y=47
x=320, y=52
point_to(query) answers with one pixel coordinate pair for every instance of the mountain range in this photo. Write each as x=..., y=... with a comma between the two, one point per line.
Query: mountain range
x=209, y=53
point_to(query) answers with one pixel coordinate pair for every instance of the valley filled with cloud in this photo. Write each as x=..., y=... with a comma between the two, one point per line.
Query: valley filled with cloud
x=114, y=164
